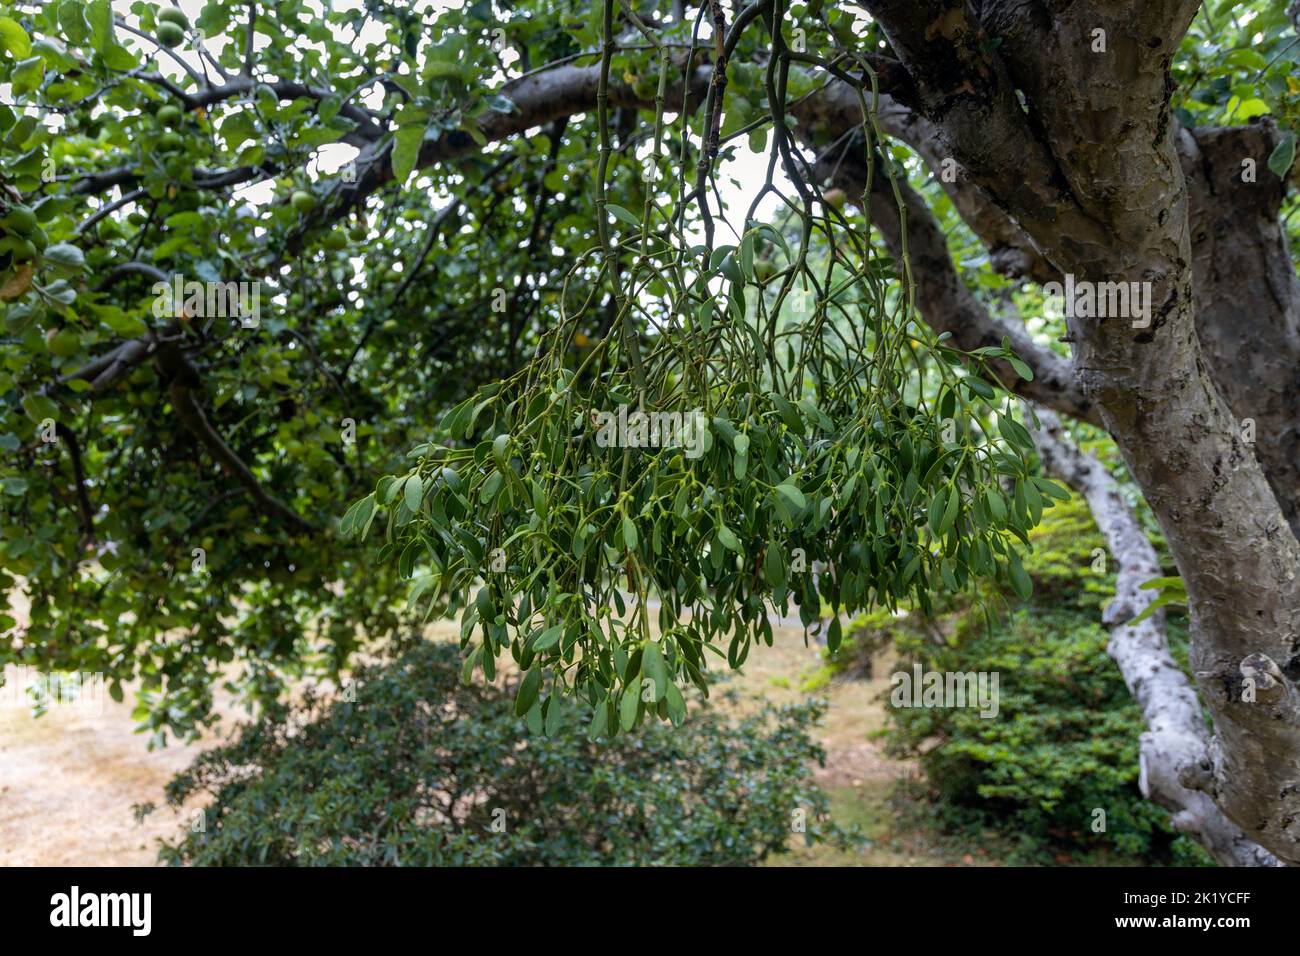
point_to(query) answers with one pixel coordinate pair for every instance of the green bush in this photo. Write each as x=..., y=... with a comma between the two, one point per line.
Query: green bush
x=423, y=770
x=1064, y=743
x=1065, y=740
x=1061, y=562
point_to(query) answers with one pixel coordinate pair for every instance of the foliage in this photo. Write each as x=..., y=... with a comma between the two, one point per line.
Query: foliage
x=1066, y=570
x=418, y=769
x=393, y=288
x=1065, y=740
x=345, y=164
x=1238, y=62
x=777, y=435
x=227, y=583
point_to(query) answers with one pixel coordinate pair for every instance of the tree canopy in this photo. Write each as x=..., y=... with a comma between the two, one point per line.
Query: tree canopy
x=321, y=319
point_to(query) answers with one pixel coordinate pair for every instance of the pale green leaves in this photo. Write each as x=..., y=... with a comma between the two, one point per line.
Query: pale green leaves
x=997, y=504
x=501, y=449
x=834, y=634
x=548, y=638
x=623, y=215
x=629, y=707
x=39, y=408
x=1023, y=370
x=66, y=258
x=792, y=497
x=413, y=492
x=104, y=40
x=740, y=463
x=1172, y=591
x=555, y=518
x=676, y=705
x=27, y=75
x=358, y=518
x=14, y=39
x=654, y=667
x=73, y=22
x=774, y=567
x=599, y=722
x=1019, y=578
x=529, y=688
x=950, y=512
x=727, y=538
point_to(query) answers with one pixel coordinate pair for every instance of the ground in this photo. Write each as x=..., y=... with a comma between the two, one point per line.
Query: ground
x=69, y=779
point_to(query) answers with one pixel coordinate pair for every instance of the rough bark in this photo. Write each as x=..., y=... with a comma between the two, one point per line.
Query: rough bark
x=1247, y=294
x=1110, y=203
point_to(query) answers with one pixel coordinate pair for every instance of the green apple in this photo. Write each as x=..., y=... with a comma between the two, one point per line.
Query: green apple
x=170, y=35
x=175, y=16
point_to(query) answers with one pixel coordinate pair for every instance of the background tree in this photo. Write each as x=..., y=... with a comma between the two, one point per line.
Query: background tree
x=495, y=148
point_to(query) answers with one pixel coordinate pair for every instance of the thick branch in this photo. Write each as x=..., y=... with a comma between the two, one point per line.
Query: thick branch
x=183, y=377
x=538, y=99
x=192, y=417
x=943, y=299
x=837, y=109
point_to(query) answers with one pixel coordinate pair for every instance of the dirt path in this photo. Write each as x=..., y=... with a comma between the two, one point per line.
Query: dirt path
x=68, y=781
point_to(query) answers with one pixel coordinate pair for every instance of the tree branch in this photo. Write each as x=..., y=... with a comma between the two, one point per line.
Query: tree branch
x=182, y=377
x=942, y=297
x=1247, y=293
x=192, y=417
x=79, y=475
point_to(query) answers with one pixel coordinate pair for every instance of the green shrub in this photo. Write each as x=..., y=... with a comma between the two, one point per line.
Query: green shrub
x=1065, y=740
x=1064, y=743
x=1061, y=562
x=422, y=770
